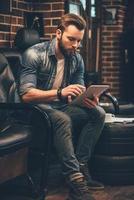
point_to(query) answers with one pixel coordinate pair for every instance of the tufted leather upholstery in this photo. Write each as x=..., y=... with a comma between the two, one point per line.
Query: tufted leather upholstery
x=14, y=136
x=24, y=38
x=7, y=83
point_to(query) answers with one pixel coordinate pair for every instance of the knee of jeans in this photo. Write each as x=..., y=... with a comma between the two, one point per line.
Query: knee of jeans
x=101, y=113
x=61, y=119
x=66, y=119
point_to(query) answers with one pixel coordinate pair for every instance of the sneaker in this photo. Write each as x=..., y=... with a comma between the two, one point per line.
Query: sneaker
x=92, y=184
x=78, y=190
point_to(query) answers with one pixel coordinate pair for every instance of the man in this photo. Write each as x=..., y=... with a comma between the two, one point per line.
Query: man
x=52, y=75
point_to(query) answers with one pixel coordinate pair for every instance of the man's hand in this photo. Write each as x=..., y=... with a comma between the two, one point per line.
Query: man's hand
x=90, y=103
x=72, y=91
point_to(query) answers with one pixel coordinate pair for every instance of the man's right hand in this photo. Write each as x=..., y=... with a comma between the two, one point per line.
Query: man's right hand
x=72, y=91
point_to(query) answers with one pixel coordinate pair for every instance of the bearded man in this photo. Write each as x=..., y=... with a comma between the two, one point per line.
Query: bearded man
x=52, y=74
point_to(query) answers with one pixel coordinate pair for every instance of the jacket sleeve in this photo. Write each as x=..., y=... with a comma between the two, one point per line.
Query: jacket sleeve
x=28, y=71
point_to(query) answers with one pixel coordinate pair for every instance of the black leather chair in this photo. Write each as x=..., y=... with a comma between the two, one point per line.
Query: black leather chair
x=18, y=132
x=25, y=38
x=15, y=137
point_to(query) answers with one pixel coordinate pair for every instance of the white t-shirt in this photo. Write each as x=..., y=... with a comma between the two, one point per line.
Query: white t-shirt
x=59, y=74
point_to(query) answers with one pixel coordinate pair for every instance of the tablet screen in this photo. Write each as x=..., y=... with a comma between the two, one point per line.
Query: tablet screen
x=92, y=91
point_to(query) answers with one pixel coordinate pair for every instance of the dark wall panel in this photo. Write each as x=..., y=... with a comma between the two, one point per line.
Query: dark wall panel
x=5, y=6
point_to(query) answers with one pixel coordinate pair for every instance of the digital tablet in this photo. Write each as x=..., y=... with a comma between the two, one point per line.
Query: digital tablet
x=92, y=91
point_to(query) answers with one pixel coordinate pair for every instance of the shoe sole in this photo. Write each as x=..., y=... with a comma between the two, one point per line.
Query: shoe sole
x=96, y=188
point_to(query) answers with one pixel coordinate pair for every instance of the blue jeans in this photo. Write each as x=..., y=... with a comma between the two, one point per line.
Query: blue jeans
x=71, y=122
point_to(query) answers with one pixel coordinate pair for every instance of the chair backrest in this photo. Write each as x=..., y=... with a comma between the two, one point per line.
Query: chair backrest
x=25, y=38
x=8, y=92
x=13, y=57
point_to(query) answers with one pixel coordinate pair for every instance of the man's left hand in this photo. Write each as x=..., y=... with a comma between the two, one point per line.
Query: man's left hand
x=90, y=103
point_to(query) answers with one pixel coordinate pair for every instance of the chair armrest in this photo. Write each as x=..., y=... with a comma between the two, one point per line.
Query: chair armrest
x=25, y=106
x=113, y=100
x=47, y=124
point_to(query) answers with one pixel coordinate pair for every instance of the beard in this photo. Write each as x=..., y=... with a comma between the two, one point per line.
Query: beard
x=63, y=50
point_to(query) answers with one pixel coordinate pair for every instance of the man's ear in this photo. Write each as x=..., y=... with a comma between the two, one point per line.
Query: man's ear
x=58, y=34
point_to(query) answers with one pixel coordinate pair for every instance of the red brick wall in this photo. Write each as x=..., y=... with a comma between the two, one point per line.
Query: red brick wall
x=10, y=23
x=111, y=48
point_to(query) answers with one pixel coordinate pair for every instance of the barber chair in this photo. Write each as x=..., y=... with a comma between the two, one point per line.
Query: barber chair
x=17, y=134
x=15, y=137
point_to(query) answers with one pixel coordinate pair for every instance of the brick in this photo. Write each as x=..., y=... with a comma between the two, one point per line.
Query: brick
x=17, y=12
x=1, y=18
x=4, y=28
x=7, y=36
x=2, y=36
x=16, y=28
x=14, y=20
x=47, y=22
x=55, y=22
x=46, y=37
x=57, y=6
x=50, y=30
x=107, y=43
x=4, y=44
x=53, y=14
x=20, y=21
x=42, y=7
x=7, y=19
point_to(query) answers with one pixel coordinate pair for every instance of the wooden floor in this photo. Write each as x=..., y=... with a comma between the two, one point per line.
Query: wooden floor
x=109, y=193
x=60, y=192
x=57, y=190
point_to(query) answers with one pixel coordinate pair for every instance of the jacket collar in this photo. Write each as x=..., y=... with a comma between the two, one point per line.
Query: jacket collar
x=51, y=51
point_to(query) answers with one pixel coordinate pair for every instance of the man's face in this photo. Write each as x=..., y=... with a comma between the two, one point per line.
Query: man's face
x=69, y=40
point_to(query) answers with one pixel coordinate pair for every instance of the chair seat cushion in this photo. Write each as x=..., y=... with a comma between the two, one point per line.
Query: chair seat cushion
x=14, y=136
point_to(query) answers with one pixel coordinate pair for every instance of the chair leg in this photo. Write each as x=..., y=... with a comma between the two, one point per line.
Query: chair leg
x=44, y=171
x=39, y=192
x=36, y=194
x=31, y=182
x=45, y=154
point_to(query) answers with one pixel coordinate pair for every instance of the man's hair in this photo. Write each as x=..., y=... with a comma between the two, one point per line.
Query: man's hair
x=71, y=19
